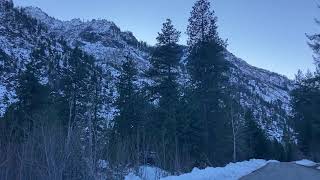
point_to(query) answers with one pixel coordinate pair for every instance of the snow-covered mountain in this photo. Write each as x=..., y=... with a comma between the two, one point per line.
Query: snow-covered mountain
x=267, y=93
x=100, y=38
x=23, y=29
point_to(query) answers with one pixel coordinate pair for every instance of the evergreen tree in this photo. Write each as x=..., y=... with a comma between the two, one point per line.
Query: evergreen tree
x=164, y=72
x=80, y=86
x=202, y=24
x=128, y=126
x=257, y=142
x=127, y=90
x=77, y=85
x=33, y=98
x=6, y=4
x=208, y=70
x=306, y=105
x=22, y=121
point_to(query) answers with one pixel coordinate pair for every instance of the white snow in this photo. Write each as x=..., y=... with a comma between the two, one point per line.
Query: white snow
x=103, y=164
x=232, y=171
x=147, y=173
x=131, y=176
x=2, y=93
x=6, y=98
x=306, y=162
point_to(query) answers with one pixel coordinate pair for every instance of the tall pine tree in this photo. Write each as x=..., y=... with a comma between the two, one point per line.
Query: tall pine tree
x=208, y=70
x=306, y=105
x=128, y=128
x=165, y=89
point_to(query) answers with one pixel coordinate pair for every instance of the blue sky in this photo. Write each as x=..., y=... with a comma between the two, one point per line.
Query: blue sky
x=266, y=33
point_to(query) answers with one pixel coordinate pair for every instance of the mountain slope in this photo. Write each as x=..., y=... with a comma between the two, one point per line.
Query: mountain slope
x=267, y=93
x=264, y=91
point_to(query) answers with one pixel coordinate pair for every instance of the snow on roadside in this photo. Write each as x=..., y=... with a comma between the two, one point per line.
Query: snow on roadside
x=151, y=173
x=147, y=173
x=232, y=171
x=131, y=176
x=306, y=162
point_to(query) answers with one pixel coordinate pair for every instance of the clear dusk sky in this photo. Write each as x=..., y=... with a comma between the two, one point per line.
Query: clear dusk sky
x=269, y=34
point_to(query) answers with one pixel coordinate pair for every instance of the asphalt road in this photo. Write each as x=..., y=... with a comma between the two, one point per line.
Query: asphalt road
x=284, y=171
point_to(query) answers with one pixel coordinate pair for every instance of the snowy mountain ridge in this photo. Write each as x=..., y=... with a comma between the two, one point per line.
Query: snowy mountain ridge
x=97, y=37
x=264, y=91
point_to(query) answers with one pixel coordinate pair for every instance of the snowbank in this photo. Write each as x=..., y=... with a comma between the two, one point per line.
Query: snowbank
x=131, y=176
x=147, y=173
x=306, y=162
x=232, y=171
x=151, y=173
